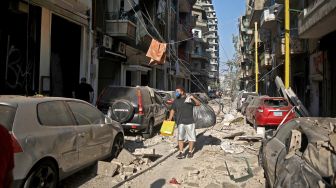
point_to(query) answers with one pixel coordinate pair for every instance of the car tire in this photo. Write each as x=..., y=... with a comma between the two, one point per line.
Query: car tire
x=118, y=145
x=122, y=116
x=149, y=131
x=45, y=174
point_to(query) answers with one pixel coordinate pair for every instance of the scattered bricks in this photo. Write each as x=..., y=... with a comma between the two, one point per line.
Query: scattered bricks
x=106, y=168
x=129, y=169
x=146, y=152
x=147, y=161
x=125, y=157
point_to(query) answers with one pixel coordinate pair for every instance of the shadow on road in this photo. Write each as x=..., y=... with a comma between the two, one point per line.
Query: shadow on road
x=158, y=183
x=203, y=140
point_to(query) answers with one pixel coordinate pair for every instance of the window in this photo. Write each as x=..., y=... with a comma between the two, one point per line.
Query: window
x=7, y=114
x=158, y=99
x=146, y=98
x=86, y=114
x=53, y=113
x=276, y=103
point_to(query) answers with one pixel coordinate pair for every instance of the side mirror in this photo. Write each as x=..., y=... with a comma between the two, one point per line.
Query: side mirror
x=109, y=112
x=108, y=120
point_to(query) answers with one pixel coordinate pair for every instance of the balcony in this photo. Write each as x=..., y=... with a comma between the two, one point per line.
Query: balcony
x=201, y=23
x=296, y=46
x=212, y=36
x=200, y=55
x=268, y=18
x=318, y=19
x=120, y=26
x=254, y=12
x=265, y=60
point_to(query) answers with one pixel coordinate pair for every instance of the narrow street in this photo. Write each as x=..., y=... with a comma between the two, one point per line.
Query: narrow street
x=104, y=93
x=215, y=147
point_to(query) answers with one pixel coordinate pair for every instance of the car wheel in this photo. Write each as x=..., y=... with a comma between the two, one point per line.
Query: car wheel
x=150, y=130
x=43, y=175
x=118, y=145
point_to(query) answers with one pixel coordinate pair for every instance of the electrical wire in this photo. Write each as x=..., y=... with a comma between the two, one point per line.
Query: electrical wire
x=150, y=21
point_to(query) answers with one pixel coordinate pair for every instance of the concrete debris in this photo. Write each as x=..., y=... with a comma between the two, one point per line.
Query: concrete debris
x=228, y=117
x=145, y=152
x=213, y=185
x=229, y=147
x=125, y=157
x=107, y=169
x=233, y=135
x=250, y=138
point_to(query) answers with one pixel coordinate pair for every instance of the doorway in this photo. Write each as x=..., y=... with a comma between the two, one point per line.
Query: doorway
x=65, y=56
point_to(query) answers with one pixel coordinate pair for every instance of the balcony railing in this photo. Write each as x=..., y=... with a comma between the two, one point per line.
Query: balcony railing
x=119, y=24
x=202, y=55
x=120, y=16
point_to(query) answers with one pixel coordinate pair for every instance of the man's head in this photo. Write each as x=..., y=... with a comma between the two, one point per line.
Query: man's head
x=179, y=92
x=83, y=80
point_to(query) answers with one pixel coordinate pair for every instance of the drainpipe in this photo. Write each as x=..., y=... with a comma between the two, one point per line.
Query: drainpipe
x=256, y=57
x=287, y=47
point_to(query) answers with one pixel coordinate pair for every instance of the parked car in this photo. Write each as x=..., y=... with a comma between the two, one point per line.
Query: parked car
x=138, y=109
x=168, y=97
x=246, y=103
x=204, y=98
x=301, y=153
x=268, y=112
x=56, y=137
x=242, y=97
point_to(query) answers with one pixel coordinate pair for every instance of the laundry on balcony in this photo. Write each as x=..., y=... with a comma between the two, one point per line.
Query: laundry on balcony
x=157, y=52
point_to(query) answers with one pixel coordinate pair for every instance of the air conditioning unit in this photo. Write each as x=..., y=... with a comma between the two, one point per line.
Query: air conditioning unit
x=122, y=48
x=107, y=42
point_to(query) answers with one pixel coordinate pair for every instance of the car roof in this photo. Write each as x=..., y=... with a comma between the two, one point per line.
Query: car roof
x=15, y=100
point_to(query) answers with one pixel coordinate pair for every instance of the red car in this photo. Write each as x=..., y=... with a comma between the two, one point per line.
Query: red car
x=268, y=111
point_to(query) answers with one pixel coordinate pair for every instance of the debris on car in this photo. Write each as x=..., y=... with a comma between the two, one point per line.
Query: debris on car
x=302, y=152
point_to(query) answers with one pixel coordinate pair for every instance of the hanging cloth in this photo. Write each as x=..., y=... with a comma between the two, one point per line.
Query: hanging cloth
x=157, y=52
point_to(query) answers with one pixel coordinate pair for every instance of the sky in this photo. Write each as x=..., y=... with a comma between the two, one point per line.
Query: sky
x=228, y=12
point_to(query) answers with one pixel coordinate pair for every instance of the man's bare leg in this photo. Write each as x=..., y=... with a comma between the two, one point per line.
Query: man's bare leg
x=191, y=146
x=181, y=145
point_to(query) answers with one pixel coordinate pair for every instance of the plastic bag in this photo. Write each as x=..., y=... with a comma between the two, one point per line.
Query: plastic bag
x=204, y=116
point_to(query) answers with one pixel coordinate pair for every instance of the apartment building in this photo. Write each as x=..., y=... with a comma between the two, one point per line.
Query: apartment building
x=213, y=42
x=312, y=35
x=200, y=57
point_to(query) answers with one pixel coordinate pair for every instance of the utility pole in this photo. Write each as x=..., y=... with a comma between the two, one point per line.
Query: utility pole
x=256, y=56
x=287, y=47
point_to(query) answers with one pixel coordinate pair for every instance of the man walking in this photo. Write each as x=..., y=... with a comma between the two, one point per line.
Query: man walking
x=84, y=91
x=182, y=108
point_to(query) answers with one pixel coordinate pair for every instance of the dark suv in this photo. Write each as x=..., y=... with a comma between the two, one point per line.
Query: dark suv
x=136, y=108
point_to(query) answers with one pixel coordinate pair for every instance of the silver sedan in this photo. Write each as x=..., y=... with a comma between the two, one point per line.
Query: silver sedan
x=55, y=137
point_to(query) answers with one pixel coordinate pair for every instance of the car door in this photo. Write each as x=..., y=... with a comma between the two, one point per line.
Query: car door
x=94, y=136
x=57, y=134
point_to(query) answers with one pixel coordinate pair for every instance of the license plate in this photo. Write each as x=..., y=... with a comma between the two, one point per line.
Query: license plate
x=277, y=113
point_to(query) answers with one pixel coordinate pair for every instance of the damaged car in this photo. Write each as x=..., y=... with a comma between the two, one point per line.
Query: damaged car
x=301, y=153
x=55, y=137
